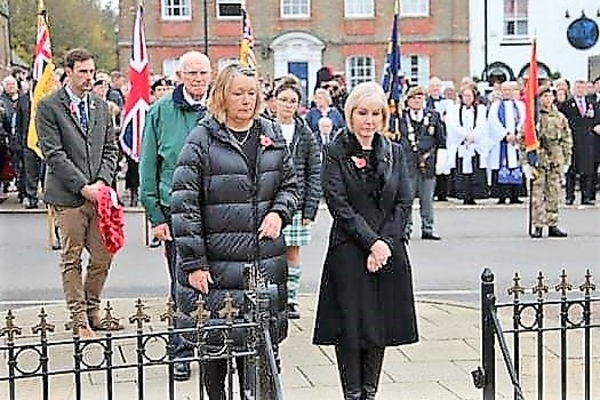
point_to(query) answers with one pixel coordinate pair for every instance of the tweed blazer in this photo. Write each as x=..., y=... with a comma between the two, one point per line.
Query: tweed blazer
x=74, y=157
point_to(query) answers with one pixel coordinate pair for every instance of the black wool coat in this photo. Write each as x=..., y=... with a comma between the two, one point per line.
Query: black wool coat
x=217, y=207
x=356, y=308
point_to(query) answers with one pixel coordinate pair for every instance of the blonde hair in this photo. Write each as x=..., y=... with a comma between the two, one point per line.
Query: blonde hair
x=219, y=92
x=325, y=93
x=361, y=93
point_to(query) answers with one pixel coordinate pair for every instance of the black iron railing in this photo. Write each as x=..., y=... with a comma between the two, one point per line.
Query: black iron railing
x=544, y=317
x=28, y=358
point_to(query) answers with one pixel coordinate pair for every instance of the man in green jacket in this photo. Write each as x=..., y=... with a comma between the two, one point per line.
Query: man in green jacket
x=167, y=126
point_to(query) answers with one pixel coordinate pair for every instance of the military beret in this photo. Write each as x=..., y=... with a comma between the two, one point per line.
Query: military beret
x=545, y=89
x=415, y=91
x=160, y=82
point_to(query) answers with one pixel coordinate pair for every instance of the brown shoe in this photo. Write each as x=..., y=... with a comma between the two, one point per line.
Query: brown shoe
x=86, y=333
x=97, y=323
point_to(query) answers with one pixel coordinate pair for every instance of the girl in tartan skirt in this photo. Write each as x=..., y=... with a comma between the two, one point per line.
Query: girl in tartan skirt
x=307, y=163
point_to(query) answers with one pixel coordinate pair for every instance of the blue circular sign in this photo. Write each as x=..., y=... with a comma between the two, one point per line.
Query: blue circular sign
x=583, y=33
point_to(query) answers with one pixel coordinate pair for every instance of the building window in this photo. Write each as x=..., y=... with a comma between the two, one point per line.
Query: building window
x=416, y=69
x=359, y=8
x=223, y=62
x=414, y=8
x=229, y=9
x=515, y=18
x=359, y=69
x=169, y=67
x=295, y=8
x=176, y=10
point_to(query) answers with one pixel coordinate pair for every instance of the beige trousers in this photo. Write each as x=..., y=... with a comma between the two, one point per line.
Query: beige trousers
x=78, y=227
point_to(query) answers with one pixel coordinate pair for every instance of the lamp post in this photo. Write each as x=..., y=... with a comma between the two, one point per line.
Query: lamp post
x=485, y=41
x=205, y=5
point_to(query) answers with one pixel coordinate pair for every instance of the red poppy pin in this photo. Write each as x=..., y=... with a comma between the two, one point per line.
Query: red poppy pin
x=73, y=108
x=265, y=141
x=359, y=162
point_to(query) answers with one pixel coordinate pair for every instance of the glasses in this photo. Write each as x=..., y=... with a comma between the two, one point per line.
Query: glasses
x=287, y=101
x=195, y=74
x=244, y=70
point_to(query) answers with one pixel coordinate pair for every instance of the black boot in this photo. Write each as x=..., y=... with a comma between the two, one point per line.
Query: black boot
x=133, y=202
x=372, y=363
x=554, y=231
x=349, y=367
x=537, y=233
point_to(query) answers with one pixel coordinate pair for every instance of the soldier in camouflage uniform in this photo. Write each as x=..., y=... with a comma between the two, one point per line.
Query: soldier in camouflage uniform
x=554, y=155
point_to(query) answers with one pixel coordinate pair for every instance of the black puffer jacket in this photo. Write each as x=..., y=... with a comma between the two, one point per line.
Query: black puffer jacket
x=217, y=208
x=306, y=153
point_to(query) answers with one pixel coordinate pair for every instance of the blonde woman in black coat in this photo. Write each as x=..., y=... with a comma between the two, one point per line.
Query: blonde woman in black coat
x=366, y=297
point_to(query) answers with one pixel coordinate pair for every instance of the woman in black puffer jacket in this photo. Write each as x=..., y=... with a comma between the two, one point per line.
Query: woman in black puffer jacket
x=234, y=189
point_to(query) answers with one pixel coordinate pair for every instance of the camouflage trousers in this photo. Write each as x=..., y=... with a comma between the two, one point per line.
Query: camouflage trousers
x=546, y=194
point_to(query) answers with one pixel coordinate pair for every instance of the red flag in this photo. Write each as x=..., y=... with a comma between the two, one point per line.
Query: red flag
x=138, y=99
x=531, y=91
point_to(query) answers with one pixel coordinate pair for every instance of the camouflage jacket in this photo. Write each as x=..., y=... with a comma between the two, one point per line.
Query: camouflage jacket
x=555, y=139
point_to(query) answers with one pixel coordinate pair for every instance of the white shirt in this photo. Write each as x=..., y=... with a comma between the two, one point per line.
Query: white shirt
x=416, y=115
x=288, y=132
x=190, y=100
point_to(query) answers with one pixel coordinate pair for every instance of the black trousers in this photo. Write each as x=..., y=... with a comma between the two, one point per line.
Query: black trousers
x=442, y=187
x=586, y=185
x=34, y=173
x=215, y=373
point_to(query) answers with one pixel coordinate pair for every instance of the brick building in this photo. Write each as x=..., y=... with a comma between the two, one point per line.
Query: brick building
x=300, y=36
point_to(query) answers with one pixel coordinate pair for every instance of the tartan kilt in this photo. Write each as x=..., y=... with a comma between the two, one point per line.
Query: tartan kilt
x=296, y=234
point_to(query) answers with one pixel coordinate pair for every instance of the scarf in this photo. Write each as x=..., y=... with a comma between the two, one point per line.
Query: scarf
x=502, y=113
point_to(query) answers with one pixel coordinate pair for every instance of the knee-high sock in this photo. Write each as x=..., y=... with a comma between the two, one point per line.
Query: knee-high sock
x=293, y=282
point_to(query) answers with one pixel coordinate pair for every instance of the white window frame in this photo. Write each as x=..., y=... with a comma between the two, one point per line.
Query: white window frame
x=350, y=13
x=368, y=74
x=294, y=16
x=165, y=5
x=225, y=61
x=414, y=8
x=226, y=17
x=515, y=19
x=416, y=68
x=169, y=67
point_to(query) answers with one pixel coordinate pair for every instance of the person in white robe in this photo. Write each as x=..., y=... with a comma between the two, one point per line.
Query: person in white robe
x=468, y=148
x=505, y=119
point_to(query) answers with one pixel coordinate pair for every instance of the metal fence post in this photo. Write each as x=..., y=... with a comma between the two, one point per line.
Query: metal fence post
x=488, y=345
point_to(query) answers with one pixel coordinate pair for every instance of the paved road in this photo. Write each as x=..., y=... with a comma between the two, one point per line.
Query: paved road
x=450, y=269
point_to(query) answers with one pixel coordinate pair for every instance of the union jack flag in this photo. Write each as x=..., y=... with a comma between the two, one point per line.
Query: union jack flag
x=138, y=99
x=43, y=71
x=247, y=57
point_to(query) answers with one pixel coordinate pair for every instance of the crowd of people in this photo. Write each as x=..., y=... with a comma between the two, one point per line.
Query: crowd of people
x=233, y=168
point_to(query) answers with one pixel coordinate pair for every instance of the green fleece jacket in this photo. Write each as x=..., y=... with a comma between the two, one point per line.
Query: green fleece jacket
x=168, y=124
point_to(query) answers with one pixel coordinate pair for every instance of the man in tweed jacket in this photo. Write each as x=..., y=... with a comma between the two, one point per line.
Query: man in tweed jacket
x=79, y=146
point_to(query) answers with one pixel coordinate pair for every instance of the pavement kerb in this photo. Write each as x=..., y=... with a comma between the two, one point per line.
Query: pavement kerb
x=52, y=305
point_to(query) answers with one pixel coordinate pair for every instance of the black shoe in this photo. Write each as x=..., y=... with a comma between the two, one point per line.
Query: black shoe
x=442, y=198
x=292, y=311
x=537, y=233
x=587, y=203
x=31, y=204
x=554, y=231
x=501, y=201
x=569, y=202
x=430, y=236
x=469, y=202
x=516, y=201
x=181, y=371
